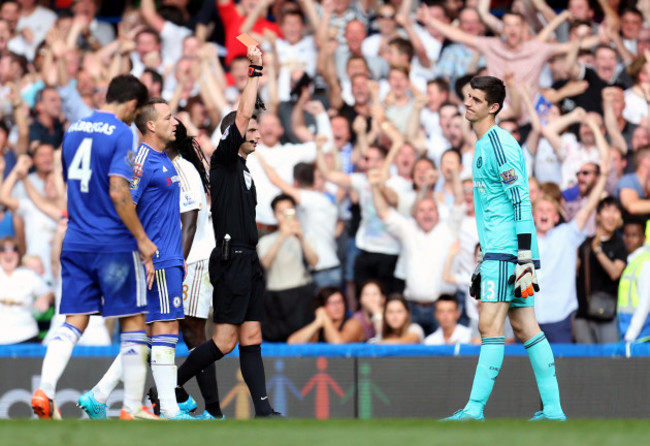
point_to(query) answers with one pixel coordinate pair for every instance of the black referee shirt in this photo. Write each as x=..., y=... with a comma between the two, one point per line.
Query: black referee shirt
x=233, y=192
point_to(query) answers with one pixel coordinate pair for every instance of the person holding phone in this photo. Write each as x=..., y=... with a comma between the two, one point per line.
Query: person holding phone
x=283, y=255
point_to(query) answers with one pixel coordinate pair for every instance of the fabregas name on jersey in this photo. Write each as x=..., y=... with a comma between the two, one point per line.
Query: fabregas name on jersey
x=92, y=127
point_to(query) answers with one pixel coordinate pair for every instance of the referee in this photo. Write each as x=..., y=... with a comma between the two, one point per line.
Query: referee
x=235, y=270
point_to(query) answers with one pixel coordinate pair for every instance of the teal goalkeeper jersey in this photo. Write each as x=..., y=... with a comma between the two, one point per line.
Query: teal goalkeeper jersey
x=501, y=200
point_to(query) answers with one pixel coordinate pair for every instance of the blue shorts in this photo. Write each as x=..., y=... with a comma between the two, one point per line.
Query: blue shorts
x=495, y=286
x=165, y=298
x=112, y=284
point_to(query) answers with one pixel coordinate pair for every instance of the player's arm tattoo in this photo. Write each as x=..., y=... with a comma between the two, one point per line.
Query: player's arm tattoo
x=120, y=191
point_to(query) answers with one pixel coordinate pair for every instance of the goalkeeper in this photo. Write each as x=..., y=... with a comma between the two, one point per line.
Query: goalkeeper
x=505, y=279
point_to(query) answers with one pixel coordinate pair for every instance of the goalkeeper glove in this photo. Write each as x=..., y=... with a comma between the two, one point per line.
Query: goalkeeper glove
x=524, y=277
x=475, y=284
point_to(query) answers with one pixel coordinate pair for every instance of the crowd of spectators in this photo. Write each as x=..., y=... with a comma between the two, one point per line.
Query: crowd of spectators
x=363, y=171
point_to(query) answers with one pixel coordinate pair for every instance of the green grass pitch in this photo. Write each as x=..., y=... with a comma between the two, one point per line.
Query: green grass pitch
x=498, y=432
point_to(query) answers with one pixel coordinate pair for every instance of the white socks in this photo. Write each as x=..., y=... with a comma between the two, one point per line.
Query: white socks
x=109, y=381
x=133, y=355
x=163, y=367
x=57, y=356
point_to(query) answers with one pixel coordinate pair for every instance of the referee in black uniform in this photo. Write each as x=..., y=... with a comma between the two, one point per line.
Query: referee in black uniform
x=235, y=270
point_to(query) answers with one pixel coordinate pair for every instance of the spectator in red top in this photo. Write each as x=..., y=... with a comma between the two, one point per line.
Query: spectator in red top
x=233, y=17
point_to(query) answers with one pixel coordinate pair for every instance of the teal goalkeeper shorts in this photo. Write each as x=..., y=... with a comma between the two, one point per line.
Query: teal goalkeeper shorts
x=495, y=287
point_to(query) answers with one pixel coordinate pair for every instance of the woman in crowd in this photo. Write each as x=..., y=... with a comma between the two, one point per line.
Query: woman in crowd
x=331, y=323
x=370, y=315
x=23, y=292
x=397, y=327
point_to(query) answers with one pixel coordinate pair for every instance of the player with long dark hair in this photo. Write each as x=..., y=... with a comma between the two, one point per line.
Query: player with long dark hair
x=198, y=242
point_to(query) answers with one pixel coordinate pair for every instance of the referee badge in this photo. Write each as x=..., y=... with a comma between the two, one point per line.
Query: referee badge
x=248, y=179
x=508, y=176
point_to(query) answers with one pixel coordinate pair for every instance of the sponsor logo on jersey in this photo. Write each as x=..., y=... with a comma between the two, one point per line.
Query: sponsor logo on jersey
x=508, y=176
x=164, y=169
x=174, y=179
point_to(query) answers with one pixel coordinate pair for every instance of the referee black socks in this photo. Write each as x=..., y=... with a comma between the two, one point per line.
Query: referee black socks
x=198, y=359
x=207, y=380
x=252, y=369
x=181, y=394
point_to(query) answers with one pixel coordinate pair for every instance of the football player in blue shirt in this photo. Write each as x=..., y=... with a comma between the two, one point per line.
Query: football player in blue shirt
x=505, y=279
x=156, y=192
x=105, y=244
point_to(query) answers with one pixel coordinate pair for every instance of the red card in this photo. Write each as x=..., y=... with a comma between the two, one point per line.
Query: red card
x=247, y=40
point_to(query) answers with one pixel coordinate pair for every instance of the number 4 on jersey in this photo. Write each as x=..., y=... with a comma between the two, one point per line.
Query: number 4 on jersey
x=80, y=165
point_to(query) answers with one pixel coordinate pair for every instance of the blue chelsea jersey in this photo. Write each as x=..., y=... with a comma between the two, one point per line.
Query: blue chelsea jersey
x=155, y=188
x=94, y=149
x=501, y=199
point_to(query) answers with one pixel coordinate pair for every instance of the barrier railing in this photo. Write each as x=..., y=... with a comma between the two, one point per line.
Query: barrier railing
x=362, y=350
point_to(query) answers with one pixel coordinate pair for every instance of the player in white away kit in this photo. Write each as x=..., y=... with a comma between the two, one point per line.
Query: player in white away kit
x=198, y=243
x=101, y=265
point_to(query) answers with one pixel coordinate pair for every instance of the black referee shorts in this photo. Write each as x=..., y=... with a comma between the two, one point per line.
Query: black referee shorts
x=238, y=284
